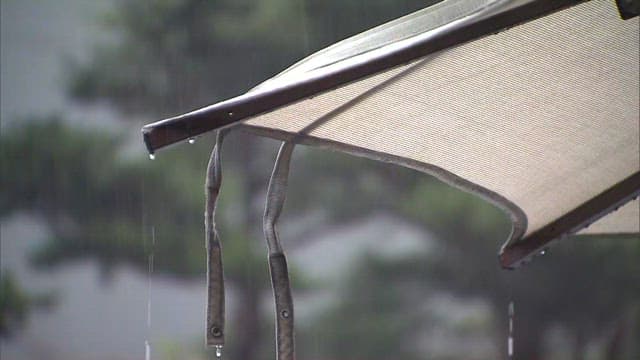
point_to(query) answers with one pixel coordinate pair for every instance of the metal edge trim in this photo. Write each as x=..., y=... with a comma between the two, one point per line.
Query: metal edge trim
x=512, y=255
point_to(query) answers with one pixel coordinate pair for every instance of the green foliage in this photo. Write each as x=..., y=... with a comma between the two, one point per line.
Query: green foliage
x=175, y=55
x=584, y=284
x=16, y=304
x=368, y=321
x=102, y=203
x=587, y=285
x=171, y=56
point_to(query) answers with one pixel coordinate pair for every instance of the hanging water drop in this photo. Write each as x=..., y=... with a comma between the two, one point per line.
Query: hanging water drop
x=152, y=157
x=192, y=141
x=544, y=251
x=218, y=351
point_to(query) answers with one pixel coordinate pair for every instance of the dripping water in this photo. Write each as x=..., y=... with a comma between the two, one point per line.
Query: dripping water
x=152, y=157
x=147, y=343
x=147, y=350
x=510, y=337
x=192, y=141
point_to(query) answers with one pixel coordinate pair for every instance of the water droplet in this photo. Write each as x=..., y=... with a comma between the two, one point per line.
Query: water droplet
x=218, y=351
x=152, y=157
x=192, y=141
x=544, y=251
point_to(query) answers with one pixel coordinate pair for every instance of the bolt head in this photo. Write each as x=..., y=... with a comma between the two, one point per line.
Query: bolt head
x=215, y=331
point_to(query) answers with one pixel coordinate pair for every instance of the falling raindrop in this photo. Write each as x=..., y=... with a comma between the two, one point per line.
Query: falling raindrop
x=510, y=337
x=147, y=344
x=147, y=350
x=218, y=351
x=152, y=157
x=192, y=141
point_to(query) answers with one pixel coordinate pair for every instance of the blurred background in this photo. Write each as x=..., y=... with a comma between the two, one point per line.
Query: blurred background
x=103, y=253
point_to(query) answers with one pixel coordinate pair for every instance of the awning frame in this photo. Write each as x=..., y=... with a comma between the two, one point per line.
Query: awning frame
x=491, y=19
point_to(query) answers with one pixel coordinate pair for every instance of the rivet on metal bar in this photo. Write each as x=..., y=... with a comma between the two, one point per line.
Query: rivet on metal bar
x=215, y=278
x=276, y=194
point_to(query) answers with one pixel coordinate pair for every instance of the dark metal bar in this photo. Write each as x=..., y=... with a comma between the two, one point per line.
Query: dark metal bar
x=584, y=215
x=170, y=131
x=628, y=9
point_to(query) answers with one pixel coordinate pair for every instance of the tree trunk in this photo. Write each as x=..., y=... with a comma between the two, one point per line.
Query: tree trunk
x=527, y=339
x=248, y=317
x=616, y=341
x=247, y=323
x=579, y=345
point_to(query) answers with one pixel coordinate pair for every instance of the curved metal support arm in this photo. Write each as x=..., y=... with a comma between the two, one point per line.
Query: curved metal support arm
x=215, y=277
x=276, y=195
x=285, y=334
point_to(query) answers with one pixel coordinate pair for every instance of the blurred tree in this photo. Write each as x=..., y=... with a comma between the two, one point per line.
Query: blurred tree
x=16, y=304
x=368, y=321
x=95, y=199
x=103, y=203
x=585, y=285
x=174, y=55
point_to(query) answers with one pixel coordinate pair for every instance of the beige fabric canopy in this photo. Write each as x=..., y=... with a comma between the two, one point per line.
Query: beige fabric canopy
x=542, y=118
